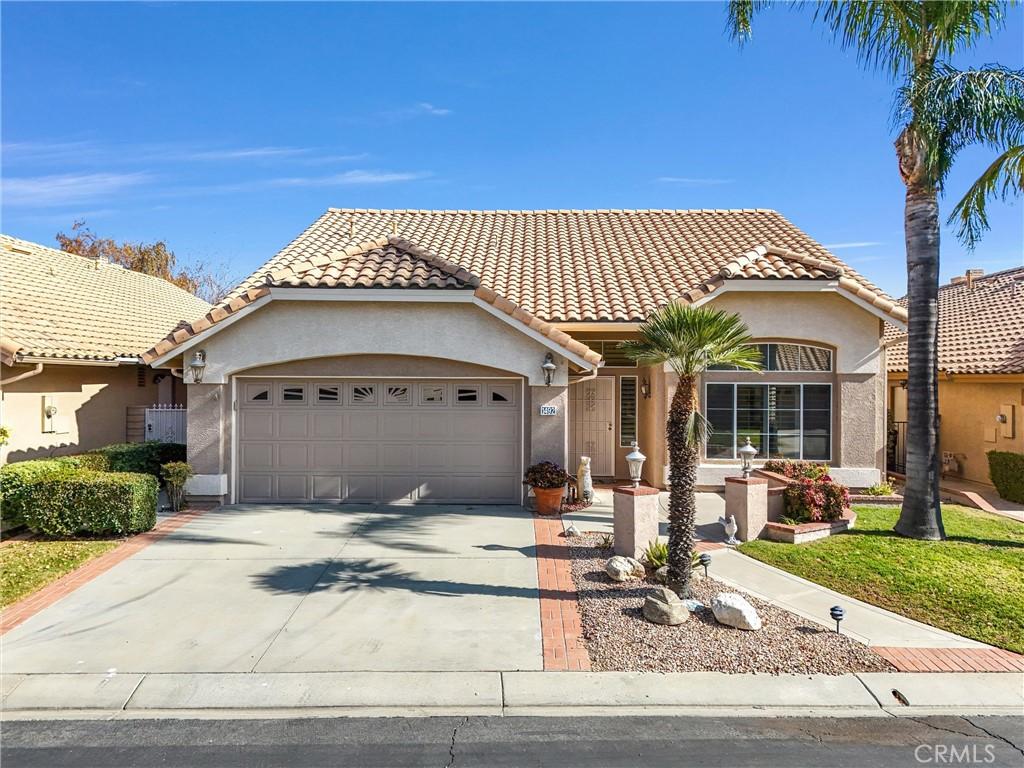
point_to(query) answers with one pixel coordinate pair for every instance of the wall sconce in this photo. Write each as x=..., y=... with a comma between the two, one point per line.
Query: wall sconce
x=645, y=389
x=549, y=368
x=903, y=384
x=198, y=365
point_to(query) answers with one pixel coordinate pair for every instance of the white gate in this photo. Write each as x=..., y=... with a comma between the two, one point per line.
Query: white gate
x=165, y=423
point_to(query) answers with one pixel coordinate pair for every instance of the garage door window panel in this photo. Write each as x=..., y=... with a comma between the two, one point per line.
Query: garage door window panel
x=258, y=394
x=433, y=394
x=293, y=394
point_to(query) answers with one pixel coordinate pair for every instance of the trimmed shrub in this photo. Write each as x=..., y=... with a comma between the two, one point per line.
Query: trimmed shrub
x=146, y=458
x=86, y=501
x=176, y=474
x=813, y=500
x=794, y=469
x=16, y=481
x=97, y=462
x=1007, y=472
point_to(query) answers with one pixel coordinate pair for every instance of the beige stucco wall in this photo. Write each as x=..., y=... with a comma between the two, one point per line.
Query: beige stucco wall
x=282, y=331
x=91, y=404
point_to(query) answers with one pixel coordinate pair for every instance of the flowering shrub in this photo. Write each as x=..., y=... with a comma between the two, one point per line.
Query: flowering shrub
x=816, y=499
x=546, y=474
x=795, y=469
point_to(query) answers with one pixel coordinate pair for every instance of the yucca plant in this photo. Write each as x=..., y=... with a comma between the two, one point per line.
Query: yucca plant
x=690, y=340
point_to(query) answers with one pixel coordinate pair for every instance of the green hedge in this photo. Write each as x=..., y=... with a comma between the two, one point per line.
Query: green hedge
x=1007, y=472
x=146, y=458
x=86, y=501
x=16, y=481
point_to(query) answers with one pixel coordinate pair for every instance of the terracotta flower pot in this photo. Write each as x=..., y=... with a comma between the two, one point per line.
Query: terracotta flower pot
x=549, y=500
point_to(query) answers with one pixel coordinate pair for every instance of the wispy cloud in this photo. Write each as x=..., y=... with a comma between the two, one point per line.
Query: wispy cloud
x=49, y=151
x=355, y=177
x=855, y=244
x=426, y=108
x=67, y=188
x=247, y=153
x=689, y=181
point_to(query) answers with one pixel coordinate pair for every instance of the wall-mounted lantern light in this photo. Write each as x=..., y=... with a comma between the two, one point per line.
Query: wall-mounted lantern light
x=645, y=388
x=198, y=365
x=549, y=368
x=635, y=460
x=747, y=454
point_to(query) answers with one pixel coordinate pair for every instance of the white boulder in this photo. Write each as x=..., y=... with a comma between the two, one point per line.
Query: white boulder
x=733, y=610
x=621, y=568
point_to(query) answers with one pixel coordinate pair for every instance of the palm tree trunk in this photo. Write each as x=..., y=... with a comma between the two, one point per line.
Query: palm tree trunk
x=682, y=500
x=921, y=516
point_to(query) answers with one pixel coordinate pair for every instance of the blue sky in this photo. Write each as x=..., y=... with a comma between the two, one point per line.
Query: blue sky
x=227, y=128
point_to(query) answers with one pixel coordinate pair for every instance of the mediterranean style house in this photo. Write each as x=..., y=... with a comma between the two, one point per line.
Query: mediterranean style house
x=981, y=374
x=429, y=356
x=72, y=333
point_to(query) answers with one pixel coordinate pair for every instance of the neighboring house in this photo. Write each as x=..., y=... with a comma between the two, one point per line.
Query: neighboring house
x=72, y=330
x=981, y=374
x=400, y=355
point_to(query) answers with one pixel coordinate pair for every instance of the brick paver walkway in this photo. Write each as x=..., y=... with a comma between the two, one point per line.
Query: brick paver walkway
x=561, y=629
x=952, y=659
x=29, y=606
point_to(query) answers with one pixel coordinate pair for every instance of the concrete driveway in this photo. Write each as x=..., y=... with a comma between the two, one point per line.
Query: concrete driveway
x=305, y=589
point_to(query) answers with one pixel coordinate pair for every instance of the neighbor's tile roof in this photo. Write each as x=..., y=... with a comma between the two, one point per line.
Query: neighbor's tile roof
x=573, y=265
x=548, y=266
x=62, y=306
x=981, y=329
x=389, y=262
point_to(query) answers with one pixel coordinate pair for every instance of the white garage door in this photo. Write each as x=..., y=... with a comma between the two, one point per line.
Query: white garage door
x=379, y=441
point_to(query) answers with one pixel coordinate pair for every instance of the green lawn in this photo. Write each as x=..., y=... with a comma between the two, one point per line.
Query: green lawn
x=971, y=584
x=26, y=566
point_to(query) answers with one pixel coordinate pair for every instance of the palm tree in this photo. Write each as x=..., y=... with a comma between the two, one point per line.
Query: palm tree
x=939, y=111
x=690, y=340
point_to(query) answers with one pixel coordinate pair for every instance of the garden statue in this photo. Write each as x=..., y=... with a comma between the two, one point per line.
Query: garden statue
x=584, y=482
x=730, y=529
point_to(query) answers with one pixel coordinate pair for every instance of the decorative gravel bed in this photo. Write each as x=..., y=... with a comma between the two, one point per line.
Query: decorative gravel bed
x=620, y=639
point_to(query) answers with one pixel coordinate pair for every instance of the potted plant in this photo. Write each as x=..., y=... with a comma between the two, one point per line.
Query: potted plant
x=547, y=480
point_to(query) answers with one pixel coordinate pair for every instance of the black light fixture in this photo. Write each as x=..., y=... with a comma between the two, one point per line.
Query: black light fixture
x=837, y=613
x=549, y=368
x=645, y=388
x=705, y=560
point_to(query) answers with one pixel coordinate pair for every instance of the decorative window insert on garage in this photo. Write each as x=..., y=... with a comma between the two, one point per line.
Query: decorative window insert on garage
x=328, y=394
x=467, y=394
x=293, y=394
x=433, y=394
x=362, y=394
x=397, y=394
x=258, y=394
x=785, y=421
x=501, y=394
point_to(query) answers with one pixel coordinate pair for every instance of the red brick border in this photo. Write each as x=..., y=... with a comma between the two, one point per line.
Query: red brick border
x=952, y=659
x=561, y=629
x=29, y=606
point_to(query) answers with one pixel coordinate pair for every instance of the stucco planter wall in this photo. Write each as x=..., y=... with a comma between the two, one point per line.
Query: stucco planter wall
x=806, y=532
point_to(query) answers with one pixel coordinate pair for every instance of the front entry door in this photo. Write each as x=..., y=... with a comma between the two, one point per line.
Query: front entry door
x=592, y=411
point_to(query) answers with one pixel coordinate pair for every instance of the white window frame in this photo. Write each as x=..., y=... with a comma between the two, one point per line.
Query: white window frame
x=801, y=384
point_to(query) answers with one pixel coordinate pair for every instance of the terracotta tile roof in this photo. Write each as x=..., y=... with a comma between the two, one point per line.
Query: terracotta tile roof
x=575, y=265
x=547, y=266
x=390, y=262
x=981, y=328
x=62, y=306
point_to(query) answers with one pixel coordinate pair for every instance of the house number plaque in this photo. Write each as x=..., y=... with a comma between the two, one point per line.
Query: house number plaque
x=549, y=410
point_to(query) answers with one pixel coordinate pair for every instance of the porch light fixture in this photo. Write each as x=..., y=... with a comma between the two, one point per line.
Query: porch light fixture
x=198, y=365
x=635, y=460
x=645, y=389
x=747, y=454
x=549, y=368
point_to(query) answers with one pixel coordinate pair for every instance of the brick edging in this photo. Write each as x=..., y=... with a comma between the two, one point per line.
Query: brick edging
x=29, y=606
x=561, y=628
x=951, y=659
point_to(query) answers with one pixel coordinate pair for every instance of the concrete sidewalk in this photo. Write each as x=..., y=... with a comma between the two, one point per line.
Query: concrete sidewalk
x=62, y=696
x=867, y=623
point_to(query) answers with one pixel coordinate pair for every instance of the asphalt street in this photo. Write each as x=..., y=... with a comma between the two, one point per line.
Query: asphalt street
x=496, y=742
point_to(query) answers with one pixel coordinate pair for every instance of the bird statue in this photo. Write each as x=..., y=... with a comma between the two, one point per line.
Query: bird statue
x=730, y=529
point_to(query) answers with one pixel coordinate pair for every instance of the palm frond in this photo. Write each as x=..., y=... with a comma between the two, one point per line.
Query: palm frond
x=698, y=429
x=741, y=16
x=692, y=339
x=1003, y=178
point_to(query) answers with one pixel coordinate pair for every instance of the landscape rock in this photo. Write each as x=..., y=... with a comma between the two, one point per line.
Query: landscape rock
x=734, y=611
x=663, y=606
x=621, y=568
x=694, y=605
x=572, y=531
x=661, y=575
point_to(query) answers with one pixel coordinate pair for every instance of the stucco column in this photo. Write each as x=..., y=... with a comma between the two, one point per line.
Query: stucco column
x=208, y=437
x=549, y=433
x=746, y=499
x=635, y=519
